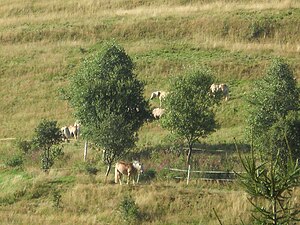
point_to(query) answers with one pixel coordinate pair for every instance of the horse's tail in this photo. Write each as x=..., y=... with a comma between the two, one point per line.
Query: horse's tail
x=116, y=173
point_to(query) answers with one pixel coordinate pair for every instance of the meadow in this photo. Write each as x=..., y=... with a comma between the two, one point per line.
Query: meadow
x=42, y=46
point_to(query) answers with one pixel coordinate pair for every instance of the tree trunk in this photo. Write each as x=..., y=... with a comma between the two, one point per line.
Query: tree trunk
x=274, y=212
x=189, y=162
x=85, y=150
x=188, y=176
x=107, y=171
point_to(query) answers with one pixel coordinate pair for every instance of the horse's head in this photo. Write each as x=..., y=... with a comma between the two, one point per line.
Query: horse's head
x=138, y=166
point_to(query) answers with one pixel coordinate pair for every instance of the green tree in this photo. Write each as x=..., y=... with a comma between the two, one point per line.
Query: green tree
x=47, y=137
x=270, y=187
x=189, y=108
x=274, y=104
x=108, y=100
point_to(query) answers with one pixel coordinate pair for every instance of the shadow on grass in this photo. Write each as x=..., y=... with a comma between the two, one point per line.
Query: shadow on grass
x=221, y=148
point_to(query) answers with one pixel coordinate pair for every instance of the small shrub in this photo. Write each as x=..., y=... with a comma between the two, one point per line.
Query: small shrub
x=261, y=29
x=24, y=146
x=57, y=152
x=91, y=169
x=56, y=199
x=7, y=200
x=15, y=161
x=149, y=174
x=129, y=210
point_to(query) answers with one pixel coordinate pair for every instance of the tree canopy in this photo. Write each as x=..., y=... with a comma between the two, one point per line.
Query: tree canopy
x=108, y=100
x=47, y=137
x=274, y=105
x=189, y=107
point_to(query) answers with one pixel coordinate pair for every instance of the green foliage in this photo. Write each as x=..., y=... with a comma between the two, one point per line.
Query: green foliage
x=270, y=181
x=56, y=199
x=46, y=134
x=284, y=134
x=189, y=105
x=274, y=103
x=15, y=161
x=261, y=28
x=108, y=100
x=129, y=210
x=47, y=137
x=91, y=169
x=149, y=175
x=24, y=146
x=174, y=142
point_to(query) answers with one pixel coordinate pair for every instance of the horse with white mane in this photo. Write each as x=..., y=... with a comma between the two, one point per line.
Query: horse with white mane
x=131, y=170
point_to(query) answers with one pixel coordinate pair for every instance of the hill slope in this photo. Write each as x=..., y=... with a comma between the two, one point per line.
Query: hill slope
x=43, y=42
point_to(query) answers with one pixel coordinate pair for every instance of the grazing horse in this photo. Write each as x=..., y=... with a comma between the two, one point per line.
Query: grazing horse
x=131, y=170
x=74, y=130
x=65, y=133
x=161, y=95
x=158, y=112
x=223, y=88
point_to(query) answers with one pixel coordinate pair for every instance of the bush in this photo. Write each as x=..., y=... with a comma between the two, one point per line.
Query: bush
x=129, y=210
x=149, y=174
x=15, y=161
x=91, y=169
x=56, y=199
x=24, y=145
x=261, y=28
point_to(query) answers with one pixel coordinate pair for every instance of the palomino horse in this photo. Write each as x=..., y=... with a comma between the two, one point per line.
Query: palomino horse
x=222, y=88
x=74, y=130
x=65, y=133
x=131, y=170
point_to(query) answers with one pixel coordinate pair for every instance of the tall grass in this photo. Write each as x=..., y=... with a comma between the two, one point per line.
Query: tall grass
x=159, y=203
x=42, y=45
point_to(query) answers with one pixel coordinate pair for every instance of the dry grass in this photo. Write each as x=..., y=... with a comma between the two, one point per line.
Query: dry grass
x=42, y=44
x=160, y=203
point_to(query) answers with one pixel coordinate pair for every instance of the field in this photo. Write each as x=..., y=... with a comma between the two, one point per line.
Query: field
x=42, y=46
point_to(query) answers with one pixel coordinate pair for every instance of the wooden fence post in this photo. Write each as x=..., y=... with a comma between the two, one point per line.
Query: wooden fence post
x=188, y=175
x=85, y=150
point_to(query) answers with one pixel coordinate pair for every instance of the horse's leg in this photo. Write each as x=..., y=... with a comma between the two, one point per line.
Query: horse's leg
x=116, y=175
x=128, y=178
x=120, y=178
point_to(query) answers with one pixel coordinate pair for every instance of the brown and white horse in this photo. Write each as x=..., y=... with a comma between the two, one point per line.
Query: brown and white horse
x=131, y=170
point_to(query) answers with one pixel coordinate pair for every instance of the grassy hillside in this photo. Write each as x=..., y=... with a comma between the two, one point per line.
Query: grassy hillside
x=42, y=45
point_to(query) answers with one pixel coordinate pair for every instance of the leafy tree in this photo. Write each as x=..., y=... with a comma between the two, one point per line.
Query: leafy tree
x=189, y=108
x=47, y=138
x=269, y=181
x=108, y=100
x=274, y=103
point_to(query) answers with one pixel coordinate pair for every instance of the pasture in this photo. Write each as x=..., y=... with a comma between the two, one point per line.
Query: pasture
x=42, y=46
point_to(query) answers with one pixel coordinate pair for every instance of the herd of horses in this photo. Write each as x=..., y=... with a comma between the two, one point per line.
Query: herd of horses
x=71, y=131
x=133, y=169
x=161, y=95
